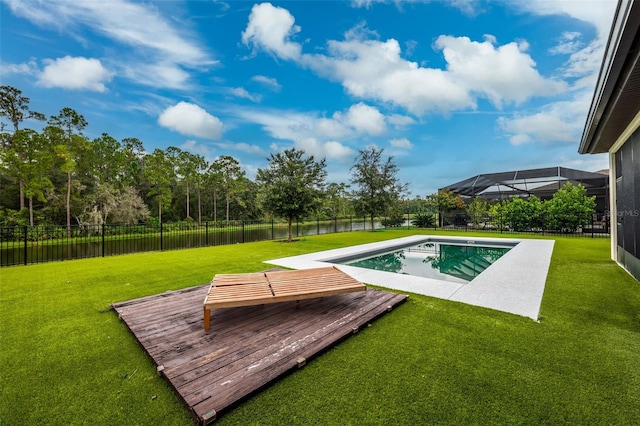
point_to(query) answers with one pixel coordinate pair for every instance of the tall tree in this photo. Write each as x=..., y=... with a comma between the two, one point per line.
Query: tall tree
x=250, y=208
x=159, y=171
x=291, y=185
x=133, y=153
x=378, y=187
x=108, y=161
x=29, y=158
x=230, y=179
x=336, y=199
x=188, y=167
x=15, y=107
x=200, y=176
x=70, y=147
x=444, y=201
x=213, y=179
x=130, y=207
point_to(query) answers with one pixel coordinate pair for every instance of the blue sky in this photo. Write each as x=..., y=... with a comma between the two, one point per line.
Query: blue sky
x=450, y=89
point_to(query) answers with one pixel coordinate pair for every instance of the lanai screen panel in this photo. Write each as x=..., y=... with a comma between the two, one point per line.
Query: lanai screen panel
x=541, y=182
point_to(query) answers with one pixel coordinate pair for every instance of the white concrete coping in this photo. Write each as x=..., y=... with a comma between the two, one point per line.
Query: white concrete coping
x=514, y=283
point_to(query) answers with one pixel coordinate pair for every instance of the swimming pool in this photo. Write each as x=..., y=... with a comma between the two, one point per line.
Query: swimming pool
x=446, y=261
x=514, y=283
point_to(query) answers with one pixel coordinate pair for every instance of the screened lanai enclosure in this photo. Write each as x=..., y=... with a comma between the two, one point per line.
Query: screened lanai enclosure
x=542, y=183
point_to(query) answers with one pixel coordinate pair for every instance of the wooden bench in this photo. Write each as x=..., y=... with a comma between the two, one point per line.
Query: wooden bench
x=233, y=290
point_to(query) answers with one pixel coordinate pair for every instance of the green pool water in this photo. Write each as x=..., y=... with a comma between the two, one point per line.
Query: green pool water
x=442, y=261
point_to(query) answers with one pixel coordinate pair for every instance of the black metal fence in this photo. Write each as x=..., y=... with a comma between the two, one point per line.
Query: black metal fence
x=23, y=245
x=597, y=227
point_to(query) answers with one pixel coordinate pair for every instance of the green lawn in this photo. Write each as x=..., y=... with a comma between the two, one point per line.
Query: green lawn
x=66, y=358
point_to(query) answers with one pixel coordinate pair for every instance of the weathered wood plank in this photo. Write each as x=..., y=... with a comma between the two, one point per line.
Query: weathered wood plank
x=269, y=339
x=260, y=367
x=251, y=346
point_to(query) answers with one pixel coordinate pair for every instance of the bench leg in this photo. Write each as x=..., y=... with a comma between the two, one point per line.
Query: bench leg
x=207, y=318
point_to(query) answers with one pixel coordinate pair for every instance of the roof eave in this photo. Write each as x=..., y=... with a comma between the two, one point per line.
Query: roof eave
x=618, y=64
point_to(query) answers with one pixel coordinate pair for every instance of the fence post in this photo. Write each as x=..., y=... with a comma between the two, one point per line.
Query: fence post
x=297, y=227
x=335, y=225
x=272, y=230
x=317, y=225
x=242, y=230
x=206, y=233
x=25, y=244
x=103, y=225
x=160, y=236
x=351, y=223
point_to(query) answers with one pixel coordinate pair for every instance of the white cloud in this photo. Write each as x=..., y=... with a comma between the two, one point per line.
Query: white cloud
x=569, y=42
x=371, y=69
x=400, y=121
x=467, y=7
x=359, y=119
x=556, y=122
x=160, y=74
x=592, y=163
x=599, y=13
x=195, y=147
x=364, y=3
x=502, y=74
x=490, y=38
x=160, y=49
x=330, y=127
x=189, y=119
x=330, y=150
x=564, y=121
x=403, y=143
x=133, y=24
x=25, y=68
x=241, y=92
x=271, y=83
x=270, y=29
x=320, y=136
x=74, y=73
x=366, y=119
x=336, y=151
x=242, y=146
x=585, y=62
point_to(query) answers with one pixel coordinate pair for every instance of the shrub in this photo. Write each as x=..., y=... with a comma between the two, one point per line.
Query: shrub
x=424, y=220
x=570, y=208
x=392, y=221
x=519, y=214
x=477, y=210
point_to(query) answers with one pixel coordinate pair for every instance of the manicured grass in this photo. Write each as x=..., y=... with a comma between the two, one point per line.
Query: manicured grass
x=67, y=359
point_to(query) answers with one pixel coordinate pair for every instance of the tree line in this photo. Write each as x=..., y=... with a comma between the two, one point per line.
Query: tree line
x=58, y=176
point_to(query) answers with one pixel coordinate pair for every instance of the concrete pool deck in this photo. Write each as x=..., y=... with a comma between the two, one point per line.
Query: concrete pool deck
x=514, y=283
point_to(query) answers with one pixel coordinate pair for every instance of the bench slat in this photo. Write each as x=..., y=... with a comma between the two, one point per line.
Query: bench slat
x=234, y=290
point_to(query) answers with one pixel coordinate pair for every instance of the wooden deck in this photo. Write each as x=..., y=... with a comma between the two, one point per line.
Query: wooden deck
x=248, y=347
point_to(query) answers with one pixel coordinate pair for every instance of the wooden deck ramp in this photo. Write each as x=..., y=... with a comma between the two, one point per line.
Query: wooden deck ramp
x=249, y=346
